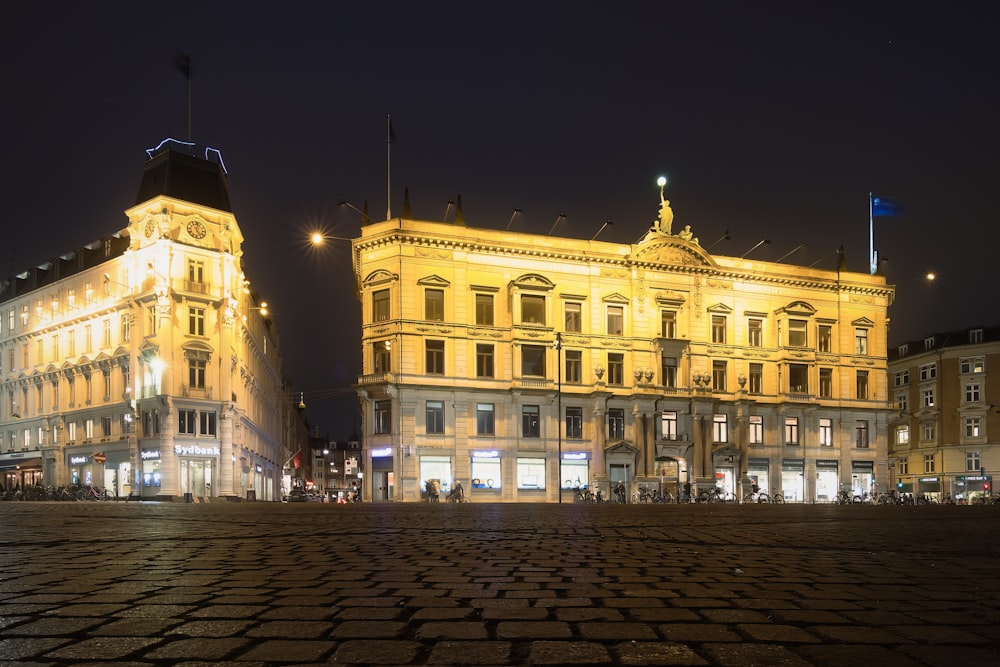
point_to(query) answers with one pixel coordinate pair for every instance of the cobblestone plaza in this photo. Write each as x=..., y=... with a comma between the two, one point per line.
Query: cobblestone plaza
x=498, y=584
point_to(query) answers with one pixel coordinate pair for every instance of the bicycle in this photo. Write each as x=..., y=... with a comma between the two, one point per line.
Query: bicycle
x=759, y=497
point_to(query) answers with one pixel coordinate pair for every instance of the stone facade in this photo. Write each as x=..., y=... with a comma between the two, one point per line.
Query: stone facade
x=142, y=362
x=944, y=434
x=526, y=365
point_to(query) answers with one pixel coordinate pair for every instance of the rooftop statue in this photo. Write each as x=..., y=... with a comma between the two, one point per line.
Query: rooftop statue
x=664, y=222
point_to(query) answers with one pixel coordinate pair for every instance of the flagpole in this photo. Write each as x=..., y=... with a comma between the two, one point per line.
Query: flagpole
x=871, y=236
x=388, y=166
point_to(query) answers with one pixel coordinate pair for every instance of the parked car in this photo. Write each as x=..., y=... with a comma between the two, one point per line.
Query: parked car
x=301, y=496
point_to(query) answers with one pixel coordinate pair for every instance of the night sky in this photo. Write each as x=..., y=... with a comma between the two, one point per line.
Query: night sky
x=769, y=120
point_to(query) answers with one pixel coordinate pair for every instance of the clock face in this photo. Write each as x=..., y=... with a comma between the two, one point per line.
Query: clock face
x=196, y=229
x=150, y=228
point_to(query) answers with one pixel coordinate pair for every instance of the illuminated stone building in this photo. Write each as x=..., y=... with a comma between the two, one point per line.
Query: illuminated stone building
x=662, y=363
x=945, y=437
x=142, y=362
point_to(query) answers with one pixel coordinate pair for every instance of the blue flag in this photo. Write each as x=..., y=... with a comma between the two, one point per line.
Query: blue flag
x=885, y=207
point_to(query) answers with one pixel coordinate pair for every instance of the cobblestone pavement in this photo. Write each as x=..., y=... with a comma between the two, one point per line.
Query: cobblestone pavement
x=296, y=584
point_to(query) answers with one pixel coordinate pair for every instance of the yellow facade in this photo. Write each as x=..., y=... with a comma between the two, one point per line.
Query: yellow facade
x=142, y=364
x=675, y=366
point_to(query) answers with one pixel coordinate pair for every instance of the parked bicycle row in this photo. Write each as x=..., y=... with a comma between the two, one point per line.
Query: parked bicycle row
x=653, y=495
x=74, y=493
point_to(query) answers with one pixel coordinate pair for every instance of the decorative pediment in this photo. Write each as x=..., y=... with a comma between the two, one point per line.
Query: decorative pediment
x=863, y=322
x=379, y=277
x=621, y=447
x=615, y=298
x=197, y=350
x=670, y=298
x=532, y=281
x=433, y=281
x=720, y=308
x=800, y=308
x=670, y=251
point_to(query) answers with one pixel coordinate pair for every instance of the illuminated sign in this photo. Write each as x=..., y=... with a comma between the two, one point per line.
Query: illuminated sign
x=149, y=454
x=491, y=454
x=382, y=451
x=574, y=456
x=77, y=460
x=195, y=450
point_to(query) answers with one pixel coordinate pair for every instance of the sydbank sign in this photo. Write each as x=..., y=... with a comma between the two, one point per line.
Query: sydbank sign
x=195, y=450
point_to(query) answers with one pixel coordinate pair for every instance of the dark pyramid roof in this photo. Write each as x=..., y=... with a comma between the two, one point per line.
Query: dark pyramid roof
x=192, y=179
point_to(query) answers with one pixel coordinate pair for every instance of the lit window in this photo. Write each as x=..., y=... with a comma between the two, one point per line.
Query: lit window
x=668, y=323
x=825, y=432
x=791, y=430
x=756, y=430
x=720, y=428
x=668, y=425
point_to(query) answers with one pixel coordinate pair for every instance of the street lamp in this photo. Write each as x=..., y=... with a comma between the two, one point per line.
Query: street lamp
x=559, y=412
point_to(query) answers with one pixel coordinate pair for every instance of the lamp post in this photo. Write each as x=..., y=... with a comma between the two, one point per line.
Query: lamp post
x=559, y=413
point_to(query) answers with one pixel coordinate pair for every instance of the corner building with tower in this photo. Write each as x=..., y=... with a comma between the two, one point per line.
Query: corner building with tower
x=525, y=366
x=142, y=363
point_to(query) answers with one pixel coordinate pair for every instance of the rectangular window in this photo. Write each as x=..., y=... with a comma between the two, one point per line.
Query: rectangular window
x=484, y=310
x=756, y=379
x=973, y=461
x=383, y=417
x=186, y=423
x=616, y=320
x=718, y=328
x=755, y=332
x=719, y=375
x=798, y=378
x=207, y=423
x=573, y=315
x=756, y=434
x=903, y=434
x=196, y=321
x=826, y=383
x=151, y=323
x=824, y=338
x=862, y=385
x=574, y=422
x=720, y=428
x=861, y=434
x=927, y=397
x=668, y=366
x=928, y=372
x=196, y=373
x=126, y=328
x=88, y=427
x=531, y=473
x=797, y=336
x=668, y=425
x=903, y=467
x=380, y=306
x=825, y=432
x=668, y=324
x=973, y=427
x=434, y=350
x=928, y=430
x=574, y=366
x=381, y=359
x=903, y=401
x=484, y=360
x=791, y=430
x=484, y=419
x=861, y=341
x=435, y=417
x=533, y=360
x=969, y=365
x=533, y=309
x=901, y=378
x=106, y=335
x=196, y=272
x=928, y=463
x=530, y=422
x=434, y=305
x=616, y=368
x=616, y=424
x=972, y=393
x=88, y=339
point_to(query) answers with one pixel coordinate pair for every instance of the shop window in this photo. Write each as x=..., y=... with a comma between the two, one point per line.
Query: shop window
x=485, y=472
x=530, y=473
